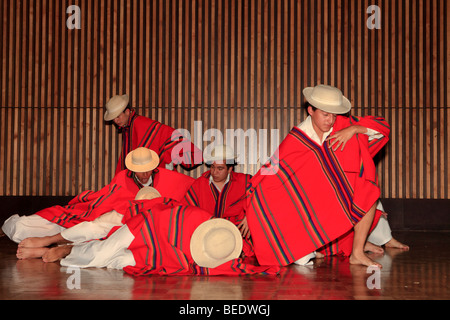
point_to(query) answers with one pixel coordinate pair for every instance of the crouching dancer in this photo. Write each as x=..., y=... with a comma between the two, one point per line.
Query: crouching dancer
x=88, y=205
x=37, y=247
x=320, y=184
x=95, y=212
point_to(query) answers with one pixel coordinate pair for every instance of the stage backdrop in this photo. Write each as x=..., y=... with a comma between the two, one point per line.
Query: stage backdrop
x=217, y=64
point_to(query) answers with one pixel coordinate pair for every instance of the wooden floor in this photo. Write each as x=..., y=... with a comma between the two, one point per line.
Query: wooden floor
x=421, y=273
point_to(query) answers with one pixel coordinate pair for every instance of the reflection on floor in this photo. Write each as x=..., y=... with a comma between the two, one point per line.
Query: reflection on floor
x=421, y=273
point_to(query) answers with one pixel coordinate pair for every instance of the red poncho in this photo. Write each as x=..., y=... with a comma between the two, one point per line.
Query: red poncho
x=164, y=140
x=228, y=204
x=311, y=195
x=89, y=205
x=163, y=230
x=122, y=189
x=172, y=184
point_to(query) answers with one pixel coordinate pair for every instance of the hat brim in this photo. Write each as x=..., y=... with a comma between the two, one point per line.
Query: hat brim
x=109, y=116
x=210, y=160
x=343, y=108
x=198, y=252
x=226, y=155
x=147, y=193
x=151, y=165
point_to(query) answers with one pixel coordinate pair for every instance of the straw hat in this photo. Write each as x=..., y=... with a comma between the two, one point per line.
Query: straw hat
x=220, y=153
x=215, y=242
x=328, y=99
x=147, y=193
x=115, y=106
x=142, y=160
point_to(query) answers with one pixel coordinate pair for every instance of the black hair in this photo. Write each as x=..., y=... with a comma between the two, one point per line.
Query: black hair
x=307, y=104
x=228, y=163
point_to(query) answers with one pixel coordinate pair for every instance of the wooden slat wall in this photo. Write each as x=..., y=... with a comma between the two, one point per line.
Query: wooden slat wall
x=228, y=63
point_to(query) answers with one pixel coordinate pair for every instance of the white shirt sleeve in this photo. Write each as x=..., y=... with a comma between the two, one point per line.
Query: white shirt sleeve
x=373, y=134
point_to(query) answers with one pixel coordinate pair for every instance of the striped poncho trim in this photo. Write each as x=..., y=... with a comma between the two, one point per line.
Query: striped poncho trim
x=220, y=197
x=66, y=216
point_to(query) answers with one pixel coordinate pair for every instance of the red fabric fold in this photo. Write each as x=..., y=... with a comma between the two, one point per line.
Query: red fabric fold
x=164, y=140
x=117, y=195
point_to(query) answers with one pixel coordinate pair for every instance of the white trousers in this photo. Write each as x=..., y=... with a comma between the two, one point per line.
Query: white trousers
x=110, y=253
x=382, y=232
x=95, y=229
x=18, y=228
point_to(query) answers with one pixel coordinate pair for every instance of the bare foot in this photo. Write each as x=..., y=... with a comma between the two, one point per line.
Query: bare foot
x=364, y=260
x=30, y=253
x=35, y=242
x=394, y=243
x=57, y=253
x=373, y=248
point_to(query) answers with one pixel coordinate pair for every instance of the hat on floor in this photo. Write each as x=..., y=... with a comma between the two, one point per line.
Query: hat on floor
x=147, y=193
x=215, y=242
x=220, y=153
x=328, y=99
x=142, y=160
x=115, y=106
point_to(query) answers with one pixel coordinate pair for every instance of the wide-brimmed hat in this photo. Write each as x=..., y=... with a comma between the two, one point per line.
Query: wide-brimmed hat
x=220, y=153
x=147, y=193
x=215, y=242
x=328, y=99
x=115, y=106
x=142, y=160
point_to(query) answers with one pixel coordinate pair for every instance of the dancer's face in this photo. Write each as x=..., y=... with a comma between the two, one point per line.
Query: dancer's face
x=122, y=119
x=322, y=121
x=220, y=171
x=144, y=176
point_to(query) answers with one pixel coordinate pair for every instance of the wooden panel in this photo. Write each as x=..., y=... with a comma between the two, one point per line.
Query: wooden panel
x=231, y=64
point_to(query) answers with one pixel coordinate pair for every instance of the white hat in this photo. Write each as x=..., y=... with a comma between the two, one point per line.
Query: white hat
x=147, y=193
x=115, y=106
x=220, y=153
x=141, y=160
x=215, y=242
x=328, y=99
